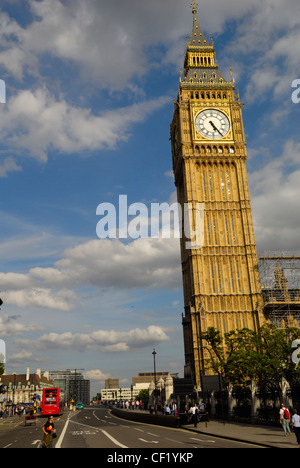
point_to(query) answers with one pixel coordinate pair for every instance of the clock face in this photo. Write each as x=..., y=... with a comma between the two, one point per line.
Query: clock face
x=212, y=124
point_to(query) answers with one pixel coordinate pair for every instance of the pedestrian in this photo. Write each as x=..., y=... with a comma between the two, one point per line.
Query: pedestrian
x=194, y=412
x=296, y=426
x=49, y=432
x=285, y=420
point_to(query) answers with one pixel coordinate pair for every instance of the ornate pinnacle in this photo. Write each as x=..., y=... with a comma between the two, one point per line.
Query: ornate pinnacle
x=194, y=6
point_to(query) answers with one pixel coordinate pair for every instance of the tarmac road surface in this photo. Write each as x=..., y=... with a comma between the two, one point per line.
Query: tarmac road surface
x=97, y=428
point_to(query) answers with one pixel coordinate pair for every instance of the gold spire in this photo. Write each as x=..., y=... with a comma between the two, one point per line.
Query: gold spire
x=194, y=6
x=197, y=38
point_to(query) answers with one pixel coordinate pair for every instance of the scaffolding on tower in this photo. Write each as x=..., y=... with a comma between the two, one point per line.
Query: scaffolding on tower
x=280, y=280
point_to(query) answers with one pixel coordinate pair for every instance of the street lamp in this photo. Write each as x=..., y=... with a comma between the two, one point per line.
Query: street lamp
x=14, y=387
x=154, y=353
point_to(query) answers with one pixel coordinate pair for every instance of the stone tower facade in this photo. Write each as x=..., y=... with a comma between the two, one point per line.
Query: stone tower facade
x=220, y=279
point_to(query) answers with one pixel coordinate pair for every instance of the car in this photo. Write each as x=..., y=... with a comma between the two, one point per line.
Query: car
x=80, y=405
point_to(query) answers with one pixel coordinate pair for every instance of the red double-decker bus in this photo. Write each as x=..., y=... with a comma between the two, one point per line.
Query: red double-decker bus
x=52, y=402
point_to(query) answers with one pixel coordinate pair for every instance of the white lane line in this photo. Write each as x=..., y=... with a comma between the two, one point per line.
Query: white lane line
x=103, y=432
x=85, y=425
x=149, y=441
x=113, y=439
x=62, y=435
x=173, y=440
x=201, y=440
x=96, y=416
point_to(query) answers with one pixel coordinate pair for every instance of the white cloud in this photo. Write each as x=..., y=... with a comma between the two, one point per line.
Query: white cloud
x=106, y=41
x=8, y=165
x=41, y=297
x=145, y=263
x=35, y=122
x=96, y=374
x=106, y=341
x=271, y=32
x=29, y=245
x=9, y=327
x=275, y=201
x=23, y=357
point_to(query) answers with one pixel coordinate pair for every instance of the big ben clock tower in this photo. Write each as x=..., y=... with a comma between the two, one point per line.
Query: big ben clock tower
x=220, y=280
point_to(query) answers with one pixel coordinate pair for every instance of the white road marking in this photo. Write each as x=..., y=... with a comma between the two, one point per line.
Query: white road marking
x=176, y=441
x=201, y=440
x=113, y=439
x=62, y=435
x=149, y=441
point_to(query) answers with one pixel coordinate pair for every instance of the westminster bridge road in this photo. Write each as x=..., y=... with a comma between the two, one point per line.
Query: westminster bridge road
x=98, y=428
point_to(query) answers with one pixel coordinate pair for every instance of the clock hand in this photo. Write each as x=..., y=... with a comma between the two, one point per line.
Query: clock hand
x=215, y=128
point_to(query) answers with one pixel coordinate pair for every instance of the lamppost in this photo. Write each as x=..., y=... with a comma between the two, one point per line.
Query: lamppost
x=14, y=388
x=154, y=353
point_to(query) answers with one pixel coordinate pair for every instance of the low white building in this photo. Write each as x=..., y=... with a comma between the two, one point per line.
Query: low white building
x=120, y=394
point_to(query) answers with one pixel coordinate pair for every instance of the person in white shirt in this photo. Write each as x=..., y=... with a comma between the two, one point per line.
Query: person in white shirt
x=296, y=425
x=194, y=412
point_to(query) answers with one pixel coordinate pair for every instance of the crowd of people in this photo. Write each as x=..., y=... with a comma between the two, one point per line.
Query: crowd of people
x=194, y=413
x=132, y=405
x=12, y=410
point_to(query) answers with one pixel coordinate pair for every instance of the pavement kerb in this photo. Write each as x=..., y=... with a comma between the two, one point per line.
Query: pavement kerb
x=226, y=437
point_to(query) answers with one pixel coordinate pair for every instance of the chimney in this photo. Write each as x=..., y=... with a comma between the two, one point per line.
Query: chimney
x=28, y=374
x=39, y=372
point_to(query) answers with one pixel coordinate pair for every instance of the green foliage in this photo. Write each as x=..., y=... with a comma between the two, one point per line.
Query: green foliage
x=2, y=368
x=143, y=396
x=244, y=355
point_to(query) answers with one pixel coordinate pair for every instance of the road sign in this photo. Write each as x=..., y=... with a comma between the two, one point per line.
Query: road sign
x=211, y=383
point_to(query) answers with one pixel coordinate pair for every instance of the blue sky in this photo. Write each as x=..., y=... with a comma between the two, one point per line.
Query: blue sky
x=90, y=90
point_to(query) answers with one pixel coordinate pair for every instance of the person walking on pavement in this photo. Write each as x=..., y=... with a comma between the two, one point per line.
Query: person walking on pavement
x=194, y=412
x=285, y=419
x=49, y=432
x=296, y=426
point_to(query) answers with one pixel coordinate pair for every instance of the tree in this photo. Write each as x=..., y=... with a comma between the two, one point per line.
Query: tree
x=2, y=365
x=143, y=396
x=264, y=357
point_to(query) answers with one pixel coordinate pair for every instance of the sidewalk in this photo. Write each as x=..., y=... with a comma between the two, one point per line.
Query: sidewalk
x=11, y=422
x=267, y=436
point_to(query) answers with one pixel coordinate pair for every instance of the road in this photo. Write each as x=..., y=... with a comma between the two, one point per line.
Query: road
x=97, y=428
